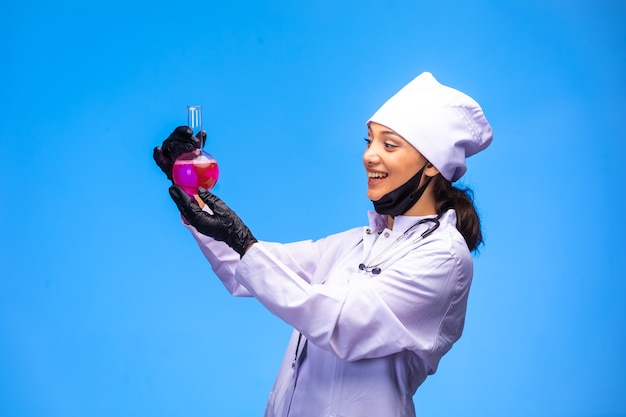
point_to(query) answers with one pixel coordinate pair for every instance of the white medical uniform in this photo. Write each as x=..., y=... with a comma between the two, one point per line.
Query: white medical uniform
x=368, y=340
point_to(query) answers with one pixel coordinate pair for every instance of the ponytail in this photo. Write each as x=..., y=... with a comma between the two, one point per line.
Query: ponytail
x=447, y=196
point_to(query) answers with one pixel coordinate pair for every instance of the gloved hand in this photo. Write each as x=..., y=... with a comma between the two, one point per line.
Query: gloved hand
x=180, y=141
x=223, y=225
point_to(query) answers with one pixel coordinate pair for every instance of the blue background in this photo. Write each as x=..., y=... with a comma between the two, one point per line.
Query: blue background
x=107, y=308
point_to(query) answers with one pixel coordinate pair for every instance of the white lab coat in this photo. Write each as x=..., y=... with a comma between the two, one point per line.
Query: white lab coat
x=368, y=340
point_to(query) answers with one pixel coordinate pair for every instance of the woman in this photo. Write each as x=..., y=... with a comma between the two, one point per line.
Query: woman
x=374, y=308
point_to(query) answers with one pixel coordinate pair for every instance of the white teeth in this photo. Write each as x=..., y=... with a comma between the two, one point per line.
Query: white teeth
x=376, y=175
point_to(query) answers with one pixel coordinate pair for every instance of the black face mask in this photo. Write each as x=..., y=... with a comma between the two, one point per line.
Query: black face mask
x=400, y=200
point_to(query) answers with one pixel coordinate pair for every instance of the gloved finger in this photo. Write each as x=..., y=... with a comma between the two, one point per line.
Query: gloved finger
x=202, y=137
x=179, y=195
x=185, y=134
x=183, y=131
x=159, y=158
x=180, y=141
x=211, y=200
x=164, y=163
x=187, y=206
x=157, y=155
x=174, y=147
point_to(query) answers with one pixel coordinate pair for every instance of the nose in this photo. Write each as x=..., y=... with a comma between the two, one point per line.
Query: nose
x=371, y=156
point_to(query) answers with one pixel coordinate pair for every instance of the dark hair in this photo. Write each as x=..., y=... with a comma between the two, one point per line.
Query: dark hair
x=447, y=196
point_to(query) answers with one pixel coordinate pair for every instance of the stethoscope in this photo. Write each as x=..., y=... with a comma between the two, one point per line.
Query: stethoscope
x=374, y=265
x=375, y=269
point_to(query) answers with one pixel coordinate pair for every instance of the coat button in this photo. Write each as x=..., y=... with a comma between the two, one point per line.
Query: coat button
x=386, y=234
x=368, y=231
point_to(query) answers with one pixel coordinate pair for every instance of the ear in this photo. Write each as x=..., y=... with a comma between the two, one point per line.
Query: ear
x=430, y=170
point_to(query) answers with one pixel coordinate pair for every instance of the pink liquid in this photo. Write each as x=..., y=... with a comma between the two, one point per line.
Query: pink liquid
x=195, y=169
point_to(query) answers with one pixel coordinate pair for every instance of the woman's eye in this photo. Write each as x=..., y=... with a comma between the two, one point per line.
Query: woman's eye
x=390, y=145
x=368, y=141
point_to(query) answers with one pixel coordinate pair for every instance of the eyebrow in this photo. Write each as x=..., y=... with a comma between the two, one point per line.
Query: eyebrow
x=390, y=132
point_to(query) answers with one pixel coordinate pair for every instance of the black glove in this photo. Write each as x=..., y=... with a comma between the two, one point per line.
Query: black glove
x=223, y=225
x=180, y=141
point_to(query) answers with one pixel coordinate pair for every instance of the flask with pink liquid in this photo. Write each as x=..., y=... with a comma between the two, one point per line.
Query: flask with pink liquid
x=197, y=168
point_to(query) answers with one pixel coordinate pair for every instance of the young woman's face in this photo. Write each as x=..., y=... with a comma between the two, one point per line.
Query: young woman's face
x=389, y=161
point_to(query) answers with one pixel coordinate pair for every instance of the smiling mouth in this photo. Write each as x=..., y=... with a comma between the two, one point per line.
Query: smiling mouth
x=376, y=176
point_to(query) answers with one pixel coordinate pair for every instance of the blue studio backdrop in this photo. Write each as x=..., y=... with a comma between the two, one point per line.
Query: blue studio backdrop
x=107, y=307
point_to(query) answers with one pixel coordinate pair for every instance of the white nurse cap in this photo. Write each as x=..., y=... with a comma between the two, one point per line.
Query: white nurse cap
x=443, y=124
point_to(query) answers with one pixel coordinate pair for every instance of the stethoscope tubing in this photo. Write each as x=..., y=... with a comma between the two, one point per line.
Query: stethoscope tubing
x=376, y=268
